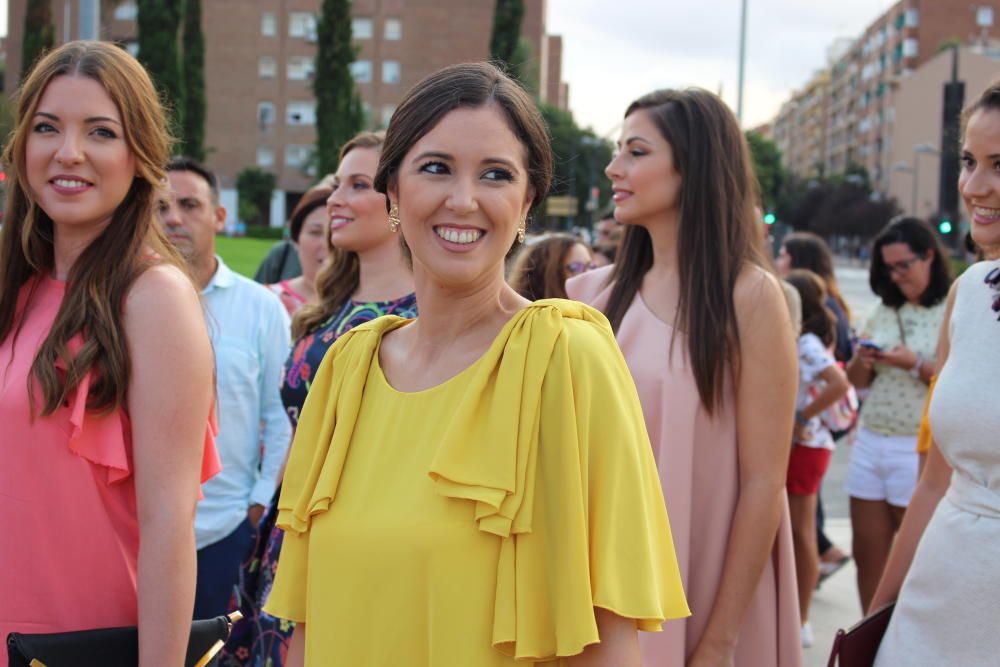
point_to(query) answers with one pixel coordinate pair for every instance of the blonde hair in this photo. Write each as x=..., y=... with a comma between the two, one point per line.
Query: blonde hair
x=100, y=278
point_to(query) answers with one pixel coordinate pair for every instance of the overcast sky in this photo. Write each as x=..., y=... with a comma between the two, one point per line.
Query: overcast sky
x=616, y=50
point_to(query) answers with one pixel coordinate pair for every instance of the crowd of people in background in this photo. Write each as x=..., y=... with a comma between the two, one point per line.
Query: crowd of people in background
x=431, y=434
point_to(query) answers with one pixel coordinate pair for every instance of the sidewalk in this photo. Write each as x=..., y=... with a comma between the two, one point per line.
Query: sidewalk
x=835, y=604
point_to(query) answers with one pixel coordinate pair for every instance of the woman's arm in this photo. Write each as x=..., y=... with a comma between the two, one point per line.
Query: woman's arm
x=619, y=645
x=169, y=399
x=934, y=481
x=834, y=389
x=765, y=403
x=861, y=367
x=297, y=647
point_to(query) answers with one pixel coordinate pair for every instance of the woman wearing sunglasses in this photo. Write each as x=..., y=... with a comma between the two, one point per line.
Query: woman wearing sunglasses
x=895, y=361
x=542, y=268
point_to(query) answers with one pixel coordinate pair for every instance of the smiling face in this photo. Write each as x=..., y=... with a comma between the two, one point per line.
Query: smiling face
x=462, y=191
x=644, y=177
x=357, y=215
x=78, y=164
x=979, y=180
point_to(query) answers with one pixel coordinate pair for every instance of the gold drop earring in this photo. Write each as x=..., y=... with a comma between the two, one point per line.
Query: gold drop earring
x=394, y=218
x=521, y=229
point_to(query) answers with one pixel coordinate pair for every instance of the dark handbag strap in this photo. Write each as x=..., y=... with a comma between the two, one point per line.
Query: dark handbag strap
x=835, y=651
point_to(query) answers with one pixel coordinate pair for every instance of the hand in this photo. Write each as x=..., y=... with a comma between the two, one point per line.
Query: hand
x=255, y=513
x=900, y=357
x=867, y=357
x=797, y=432
x=711, y=655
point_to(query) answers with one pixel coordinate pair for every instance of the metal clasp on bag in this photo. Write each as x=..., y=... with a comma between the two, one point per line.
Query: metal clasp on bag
x=216, y=647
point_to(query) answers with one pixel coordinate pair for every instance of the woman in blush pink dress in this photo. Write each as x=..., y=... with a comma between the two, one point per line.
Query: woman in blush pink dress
x=706, y=333
x=105, y=365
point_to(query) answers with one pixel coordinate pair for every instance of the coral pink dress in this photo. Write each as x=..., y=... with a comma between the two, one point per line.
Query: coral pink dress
x=697, y=457
x=67, y=496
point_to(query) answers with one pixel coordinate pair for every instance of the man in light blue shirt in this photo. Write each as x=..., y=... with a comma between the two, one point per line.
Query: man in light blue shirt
x=249, y=328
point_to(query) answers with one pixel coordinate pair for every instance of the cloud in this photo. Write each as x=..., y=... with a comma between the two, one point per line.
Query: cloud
x=614, y=52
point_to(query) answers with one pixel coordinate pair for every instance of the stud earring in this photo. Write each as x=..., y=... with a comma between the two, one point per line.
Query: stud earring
x=394, y=218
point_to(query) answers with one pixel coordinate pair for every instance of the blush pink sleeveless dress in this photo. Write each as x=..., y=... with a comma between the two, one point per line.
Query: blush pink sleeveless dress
x=68, y=521
x=696, y=454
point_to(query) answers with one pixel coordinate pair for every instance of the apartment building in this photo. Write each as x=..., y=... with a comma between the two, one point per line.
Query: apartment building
x=864, y=73
x=800, y=130
x=259, y=62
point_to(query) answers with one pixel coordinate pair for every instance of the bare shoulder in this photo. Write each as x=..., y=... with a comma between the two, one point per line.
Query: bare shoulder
x=588, y=285
x=756, y=289
x=162, y=296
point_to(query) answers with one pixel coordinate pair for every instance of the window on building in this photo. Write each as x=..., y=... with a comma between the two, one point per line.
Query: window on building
x=911, y=18
x=126, y=11
x=366, y=111
x=268, y=24
x=296, y=155
x=301, y=68
x=265, y=115
x=361, y=70
x=267, y=67
x=393, y=29
x=89, y=17
x=390, y=71
x=910, y=48
x=387, y=111
x=132, y=47
x=301, y=113
x=265, y=156
x=302, y=25
x=362, y=28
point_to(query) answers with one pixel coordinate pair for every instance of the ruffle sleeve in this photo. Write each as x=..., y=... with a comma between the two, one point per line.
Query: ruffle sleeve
x=550, y=447
x=105, y=439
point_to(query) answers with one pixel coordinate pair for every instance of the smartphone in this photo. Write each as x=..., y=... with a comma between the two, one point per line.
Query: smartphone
x=868, y=345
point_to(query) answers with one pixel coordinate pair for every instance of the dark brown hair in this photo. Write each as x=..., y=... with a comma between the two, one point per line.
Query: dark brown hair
x=809, y=251
x=539, y=270
x=988, y=100
x=100, y=278
x=313, y=199
x=466, y=86
x=921, y=239
x=717, y=235
x=340, y=274
x=817, y=318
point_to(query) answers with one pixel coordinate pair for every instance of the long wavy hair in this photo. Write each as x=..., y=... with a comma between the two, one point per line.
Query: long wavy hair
x=100, y=278
x=539, y=270
x=340, y=275
x=809, y=251
x=717, y=235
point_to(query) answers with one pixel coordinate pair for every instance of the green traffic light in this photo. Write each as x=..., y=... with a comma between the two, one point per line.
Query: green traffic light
x=945, y=227
x=770, y=219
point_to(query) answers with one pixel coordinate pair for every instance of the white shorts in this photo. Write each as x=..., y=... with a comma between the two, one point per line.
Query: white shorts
x=883, y=467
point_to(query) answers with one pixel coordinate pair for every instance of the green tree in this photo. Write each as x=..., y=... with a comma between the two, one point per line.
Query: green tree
x=580, y=158
x=159, y=29
x=339, y=114
x=508, y=15
x=254, y=187
x=39, y=33
x=193, y=71
x=767, y=166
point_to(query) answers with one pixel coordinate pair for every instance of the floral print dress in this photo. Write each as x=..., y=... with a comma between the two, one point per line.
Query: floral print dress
x=261, y=640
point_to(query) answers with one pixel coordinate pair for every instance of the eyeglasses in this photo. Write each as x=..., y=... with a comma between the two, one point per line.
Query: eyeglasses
x=576, y=268
x=901, y=266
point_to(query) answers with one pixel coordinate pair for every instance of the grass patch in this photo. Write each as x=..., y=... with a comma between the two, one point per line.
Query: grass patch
x=242, y=255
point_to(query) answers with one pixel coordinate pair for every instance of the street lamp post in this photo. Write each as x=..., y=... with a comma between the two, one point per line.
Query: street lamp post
x=743, y=57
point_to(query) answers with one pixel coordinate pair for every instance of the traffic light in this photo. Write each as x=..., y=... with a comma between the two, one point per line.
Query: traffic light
x=945, y=227
x=770, y=219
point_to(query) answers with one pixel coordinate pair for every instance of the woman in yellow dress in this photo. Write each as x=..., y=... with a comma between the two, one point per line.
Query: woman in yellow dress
x=475, y=486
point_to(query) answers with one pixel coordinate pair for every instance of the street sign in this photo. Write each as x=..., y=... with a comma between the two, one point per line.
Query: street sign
x=561, y=206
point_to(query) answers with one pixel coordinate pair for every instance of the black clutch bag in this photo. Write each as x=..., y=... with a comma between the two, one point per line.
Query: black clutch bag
x=858, y=645
x=112, y=646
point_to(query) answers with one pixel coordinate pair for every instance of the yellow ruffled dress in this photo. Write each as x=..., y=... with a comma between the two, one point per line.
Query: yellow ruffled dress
x=478, y=522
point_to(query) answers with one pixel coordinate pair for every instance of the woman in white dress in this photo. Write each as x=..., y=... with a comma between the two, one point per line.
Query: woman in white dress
x=944, y=564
